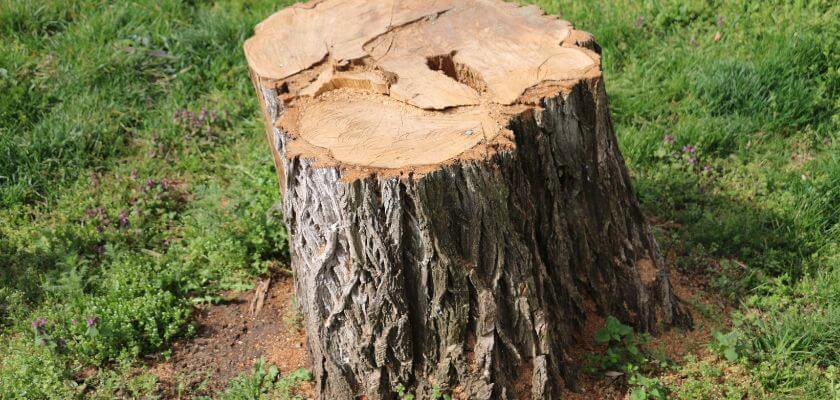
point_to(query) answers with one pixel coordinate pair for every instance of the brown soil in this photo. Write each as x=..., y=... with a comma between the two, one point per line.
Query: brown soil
x=229, y=341
x=676, y=343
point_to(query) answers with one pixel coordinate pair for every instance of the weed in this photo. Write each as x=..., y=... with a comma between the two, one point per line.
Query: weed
x=728, y=344
x=265, y=382
x=294, y=317
x=623, y=347
x=625, y=357
x=402, y=392
x=118, y=201
x=644, y=388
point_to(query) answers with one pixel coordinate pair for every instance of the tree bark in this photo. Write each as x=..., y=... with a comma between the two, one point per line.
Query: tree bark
x=476, y=275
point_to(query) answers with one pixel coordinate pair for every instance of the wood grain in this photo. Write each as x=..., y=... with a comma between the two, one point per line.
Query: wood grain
x=469, y=60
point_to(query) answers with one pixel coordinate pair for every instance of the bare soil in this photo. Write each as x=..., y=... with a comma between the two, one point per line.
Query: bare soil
x=229, y=341
x=675, y=343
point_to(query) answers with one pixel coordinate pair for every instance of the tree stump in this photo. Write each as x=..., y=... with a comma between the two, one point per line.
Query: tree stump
x=456, y=201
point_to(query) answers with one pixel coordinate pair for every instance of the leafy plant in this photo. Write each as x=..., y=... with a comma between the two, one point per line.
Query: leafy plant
x=728, y=344
x=613, y=331
x=265, y=382
x=439, y=393
x=624, y=353
x=645, y=388
x=402, y=392
x=623, y=347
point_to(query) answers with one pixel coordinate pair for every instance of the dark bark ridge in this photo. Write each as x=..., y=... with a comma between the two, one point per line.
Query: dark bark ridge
x=478, y=276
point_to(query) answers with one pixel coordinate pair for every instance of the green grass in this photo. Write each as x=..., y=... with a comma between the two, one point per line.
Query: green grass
x=112, y=210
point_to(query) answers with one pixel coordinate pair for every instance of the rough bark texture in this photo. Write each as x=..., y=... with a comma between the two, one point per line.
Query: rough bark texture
x=475, y=274
x=478, y=275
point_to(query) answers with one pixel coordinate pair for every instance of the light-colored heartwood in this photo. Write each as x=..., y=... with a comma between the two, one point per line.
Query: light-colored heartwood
x=456, y=202
x=420, y=82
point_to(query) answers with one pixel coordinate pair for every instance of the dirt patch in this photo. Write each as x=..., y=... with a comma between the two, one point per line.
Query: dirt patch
x=229, y=341
x=710, y=313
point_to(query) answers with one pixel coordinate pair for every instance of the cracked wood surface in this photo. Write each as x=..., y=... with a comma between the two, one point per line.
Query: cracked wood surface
x=418, y=64
x=456, y=201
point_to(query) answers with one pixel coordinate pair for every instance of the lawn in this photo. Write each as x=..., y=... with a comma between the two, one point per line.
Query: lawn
x=135, y=183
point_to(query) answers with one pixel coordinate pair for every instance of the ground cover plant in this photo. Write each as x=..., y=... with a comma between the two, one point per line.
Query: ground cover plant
x=135, y=182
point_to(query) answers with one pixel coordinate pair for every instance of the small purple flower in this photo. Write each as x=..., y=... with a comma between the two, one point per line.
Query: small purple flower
x=134, y=174
x=150, y=183
x=689, y=149
x=91, y=212
x=212, y=116
x=707, y=169
x=94, y=179
x=91, y=321
x=692, y=160
x=668, y=139
x=39, y=323
x=123, y=219
x=74, y=322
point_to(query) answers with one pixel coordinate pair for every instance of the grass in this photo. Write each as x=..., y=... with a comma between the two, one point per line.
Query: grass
x=116, y=217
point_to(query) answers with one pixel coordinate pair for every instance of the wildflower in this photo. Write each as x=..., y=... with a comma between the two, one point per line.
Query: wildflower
x=91, y=321
x=150, y=183
x=134, y=174
x=668, y=139
x=94, y=179
x=692, y=160
x=689, y=149
x=74, y=322
x=39, y=323
x=123, y=218
x=707, y=168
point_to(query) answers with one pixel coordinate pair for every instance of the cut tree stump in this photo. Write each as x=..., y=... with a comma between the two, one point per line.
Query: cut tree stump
x=456, y=201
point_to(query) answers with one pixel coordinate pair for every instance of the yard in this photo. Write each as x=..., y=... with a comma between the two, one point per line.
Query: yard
x=138, y=194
